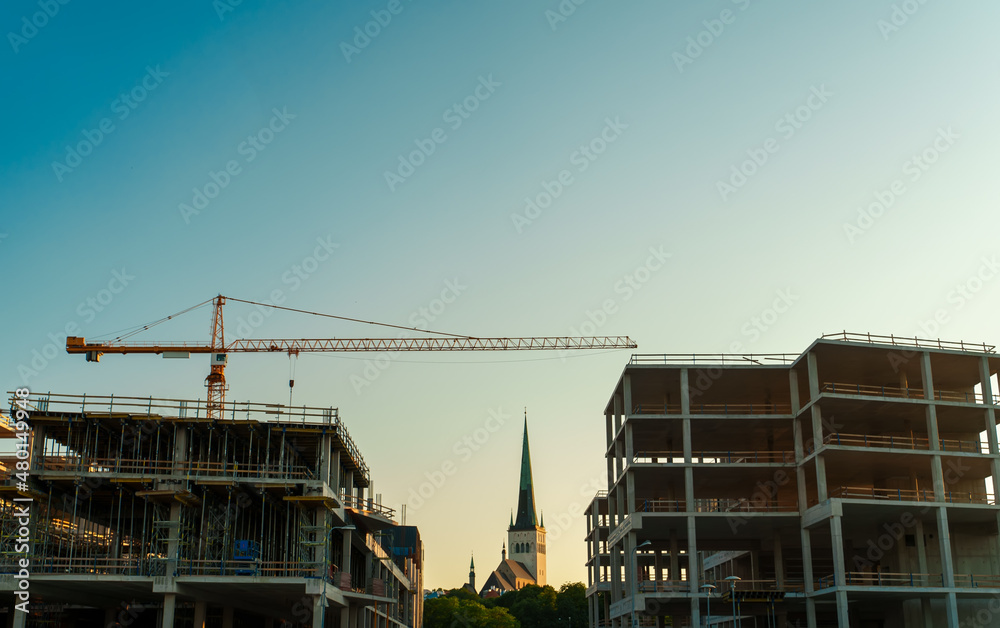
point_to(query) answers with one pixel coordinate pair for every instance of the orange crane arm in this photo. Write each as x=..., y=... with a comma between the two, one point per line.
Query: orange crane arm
x=80, y=345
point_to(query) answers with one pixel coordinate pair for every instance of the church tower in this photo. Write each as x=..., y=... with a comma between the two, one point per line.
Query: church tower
x=472, y=574
x=525, y=538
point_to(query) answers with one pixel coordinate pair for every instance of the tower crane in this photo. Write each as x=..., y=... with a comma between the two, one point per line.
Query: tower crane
x=219, y=349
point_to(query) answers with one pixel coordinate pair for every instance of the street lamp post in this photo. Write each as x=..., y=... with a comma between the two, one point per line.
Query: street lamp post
x=708, y=589
x=732, y=594
x=635, y=575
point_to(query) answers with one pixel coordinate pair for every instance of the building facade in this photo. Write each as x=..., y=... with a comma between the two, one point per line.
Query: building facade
x=850, y=485
x=145, y=513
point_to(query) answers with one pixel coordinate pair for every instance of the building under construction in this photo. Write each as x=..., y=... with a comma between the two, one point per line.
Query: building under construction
x=148, y=513
x=850, y=485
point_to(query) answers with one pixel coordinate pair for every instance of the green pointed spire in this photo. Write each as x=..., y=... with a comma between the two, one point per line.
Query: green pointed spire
x=543, y=520
x=472, y=565
x=526, y=519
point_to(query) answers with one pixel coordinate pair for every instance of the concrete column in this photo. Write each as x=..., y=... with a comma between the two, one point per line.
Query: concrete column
x=332, y=475
x=658, y=567
x=800, y=470
x=169, y=602
x=227, y=617
x=837, y=536
x=944, y=542
x=173, y=544
x=348, y=484
x=627, y=392
x=616, y=572
x=675, y=569
x=346, y=551
x=318, y=608
x=629, y=458
x=817, y=429
x=615, y=442
x=793, y=389
x=694, y=565
x=927, y=374
x=631, y=579
x=779, y=564
x=688, y=449
x=951, y=610
x=200, y=609
x=813, y=367
x=807, y=563
x=821, y=489
x=685, y=393
x=689, y=489
x=618, y=403
x=16, y=619
x=345, y=617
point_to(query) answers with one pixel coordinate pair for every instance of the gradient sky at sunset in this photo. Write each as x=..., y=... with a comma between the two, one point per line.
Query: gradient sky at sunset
x=668, y=171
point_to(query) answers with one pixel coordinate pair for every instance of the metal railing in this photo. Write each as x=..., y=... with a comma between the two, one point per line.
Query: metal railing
x=664, y=586
x=147, y=467
x=883, y=579
x=714, y=408
x=724, y=359
x=912, y=495
x=904, y=442
x=367, y=506
x=896, y=392
x=716, y=457
x=903, y=341
x=715, y=505
x=154, y=408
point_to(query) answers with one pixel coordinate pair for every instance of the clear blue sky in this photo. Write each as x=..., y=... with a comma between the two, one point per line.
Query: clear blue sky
x=117, y=115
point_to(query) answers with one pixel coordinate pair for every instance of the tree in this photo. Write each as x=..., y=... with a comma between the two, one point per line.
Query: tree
x=535, y=607
x=452, y=611
x=571, y=605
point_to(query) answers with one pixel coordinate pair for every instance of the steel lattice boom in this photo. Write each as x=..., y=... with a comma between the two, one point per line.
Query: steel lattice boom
x=218, y=347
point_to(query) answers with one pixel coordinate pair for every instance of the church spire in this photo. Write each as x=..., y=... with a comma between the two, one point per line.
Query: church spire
x=526, y=519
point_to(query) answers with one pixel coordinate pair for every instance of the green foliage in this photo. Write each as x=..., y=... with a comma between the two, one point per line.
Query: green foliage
x=464, y=594
x=452, y=612
x=530, y=607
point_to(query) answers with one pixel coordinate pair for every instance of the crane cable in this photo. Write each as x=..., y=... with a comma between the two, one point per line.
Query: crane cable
x=353, y=320
x=131, y=331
